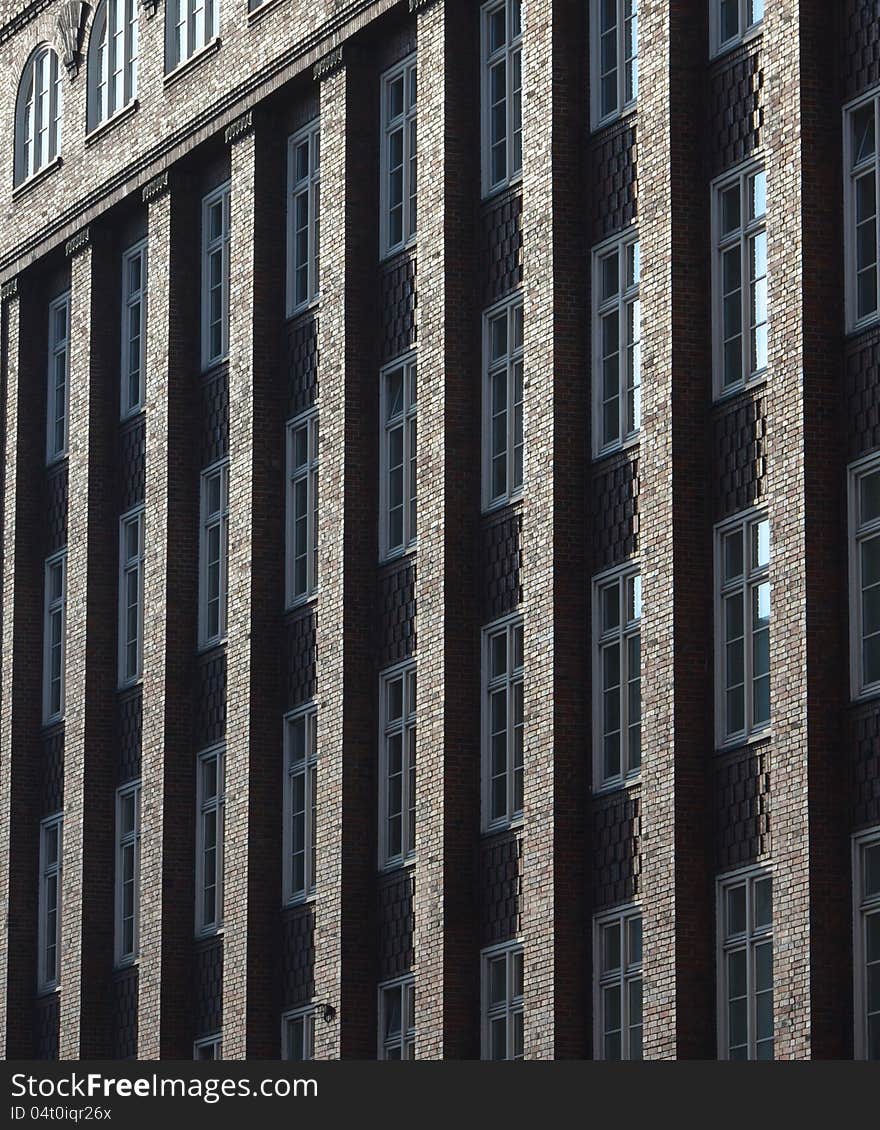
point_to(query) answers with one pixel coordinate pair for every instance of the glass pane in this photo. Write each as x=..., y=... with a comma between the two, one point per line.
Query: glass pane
x=609, y=598
x=736, y=910
x=732, y=552
x=760, y=556
x=497, y=655
x=757, y=192
x=763, y=896
x=497, y=980
x=730, y=210
x=864, y=142
x=635, y=940
x=871, y=869
x=869, y=497
x=609, y=275
x=611, y=947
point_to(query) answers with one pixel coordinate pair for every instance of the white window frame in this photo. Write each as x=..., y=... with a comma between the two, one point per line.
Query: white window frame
x=48, y=938
x=59, y=350
x=622, y=103
x=133, y=333
x=628, y=973
x=749, y=580
x=129, y=565
x=511, y=1007
x=307, y=769
x=112, y=60
x=205, y=805
x=745, y=30
x=210, y=247
x=127, y=842
x=207, y=522
x=864, y=907
x=405, y=124
x=406, y=422
x=513, y=310
x=621, y=247
x=741, y=238
x=626, y=630
x=854, y=321
x=306, y=1015
x=510, y=52
x=198, y=22
x=212, y=1043
x=295, y=475
x=38, y=118
x=307, y=187
x=513, y=678
x=403, y=1041
x=51, y=608
x=404, y=727
x=753, y=937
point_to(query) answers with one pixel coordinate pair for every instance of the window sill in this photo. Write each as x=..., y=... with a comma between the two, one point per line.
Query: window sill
x=184, y=68
x=617, y=448
x=303, y=308
x=211, y=645
x=398, y=249
x=741, y=41
x=516, y=824
x=300, y=602
x=630, y=110
x=109, y=123
x=398, y=864
x=49, y=990
x=500, y=503
x=496, y=190
x=129, y=685
x=300, y=900
x=208, y=934
x=747, y=386
x=126, y=963
x=868, y=322
x=37, y=178
x=618, y=785
x=395, y=555
x=869, y=694
x=132, y=414
x=257, y=13
x=742, y=741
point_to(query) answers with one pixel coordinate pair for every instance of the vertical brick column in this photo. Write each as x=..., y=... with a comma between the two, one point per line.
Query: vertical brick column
x=347, y=487
x=252, y=844
x=675, y=536
x=448, y=488
x=555, y=579
x=170, y=577
x=89, y=763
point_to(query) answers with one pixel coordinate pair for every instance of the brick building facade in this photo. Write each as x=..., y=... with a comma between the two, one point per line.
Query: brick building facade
x=278, y=776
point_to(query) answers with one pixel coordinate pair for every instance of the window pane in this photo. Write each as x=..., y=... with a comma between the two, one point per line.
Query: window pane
x=736, y=910
x=763, y=903
x=497, y=980
x=863, y=134
x=635, y=940
x=871, y=870
x=611, y=947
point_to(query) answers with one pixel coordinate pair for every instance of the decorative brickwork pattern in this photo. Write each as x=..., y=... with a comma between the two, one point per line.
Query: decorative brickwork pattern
x=617, y=855
x=740, y=453
x=863, y=392
x=210, y=699
x=301, y=352
x=742, y=807
x=501, y=564
x=736, y=93
x=615, y=513
x=52, y=776
x=125, y=1013
x=396, y=924
x=215, y=417
x=301, y=653
x=501, y=247
x=613, y=164
x=396, y=612
x=208, y=986
x=863, y=726
x=132, y=464
x=398, y=300
x=297, y=956
x=56, y=508
x=861, y=46
x=46, y=1027
x=129, y=719
x=500, y=888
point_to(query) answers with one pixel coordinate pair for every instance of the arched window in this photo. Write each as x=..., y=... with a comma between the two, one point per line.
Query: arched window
x=113, y=51
x=38, y=114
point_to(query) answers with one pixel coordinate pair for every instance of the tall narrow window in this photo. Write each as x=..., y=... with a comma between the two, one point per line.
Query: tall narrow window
x=302, y=508
x=58, y=379
x=298, y=1034
x=745, y=967
x=113, y=59
x=128, y=872
x=742, y=631
x=215, y=276
x=730, y=20
x=208, y=1047
x=740, y=280
x=134, y=329
x=49, y=933
x=864, y=576
x=38, y=114
x=502, y=723
x=866, y=935
x=131, y=597
x=502, y=93
x=617, y=949
x=189, y=26
x=303, y=218
x=397, y=766
x=300, y=804
x=862, y=179
x=614, y=59
x=397, y=1019
x=398, y=195
x=54, y=622
x=617, y=378
x=397, y=458
x=503, y=1002
x=617, y=709
x=503, y=443
x=213, y=579
x=210, y=775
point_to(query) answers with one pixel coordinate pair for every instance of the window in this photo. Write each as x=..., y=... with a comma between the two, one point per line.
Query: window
x=397, y=490
x=739, y=270
x=397, y=1019
x=614, y=62
x=742, y=628
x=189, y=26
x=208, y=1047
x=397, y=766
x=215, y=276
x=210, y=770
x=862, y=178
x=502, y=723
x=303, y=218
x=300, y=803
x=49, y=939
x=502, y=93
x=113, y=59
x=745, y=967
x=302, y=508
x=134, y=336
x=54, y=623
x=503, y=403
x=617, y=687
x=617, y=368
x=38, y=112
x=864, y=576
x=214, y=546
x=866, y=934
x=298, y=1034
x=131, y=597
x=730, y=20
x=617, y=950
x=398, y=192
x=58, y=379
x=128, y=871
x=503, y=1002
